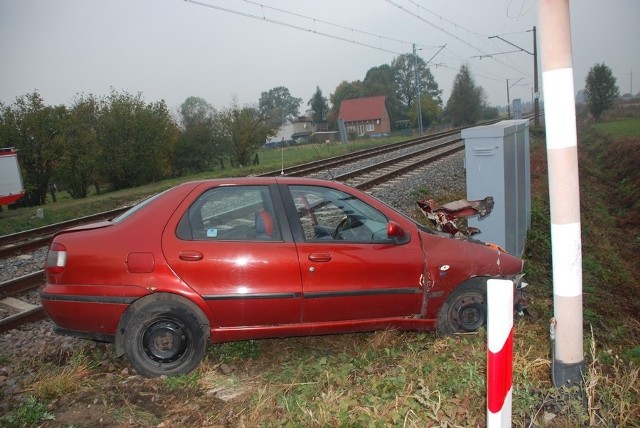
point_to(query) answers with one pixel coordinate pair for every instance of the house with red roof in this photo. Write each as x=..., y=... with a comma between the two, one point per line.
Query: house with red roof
x=367, y=116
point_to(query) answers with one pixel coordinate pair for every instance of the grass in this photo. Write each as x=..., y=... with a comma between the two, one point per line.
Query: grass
x=391, y=378
x=618, y=129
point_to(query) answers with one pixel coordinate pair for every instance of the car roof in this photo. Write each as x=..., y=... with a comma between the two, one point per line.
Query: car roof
x=270, y=180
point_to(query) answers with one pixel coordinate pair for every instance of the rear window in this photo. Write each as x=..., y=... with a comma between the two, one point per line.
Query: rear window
x=134, y=209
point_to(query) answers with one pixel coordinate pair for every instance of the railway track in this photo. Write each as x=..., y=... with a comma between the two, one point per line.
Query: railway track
x=363, y=178
x=19, y=311
x=29, y=240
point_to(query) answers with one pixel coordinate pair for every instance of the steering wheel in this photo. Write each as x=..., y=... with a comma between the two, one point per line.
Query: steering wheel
x=346, y=223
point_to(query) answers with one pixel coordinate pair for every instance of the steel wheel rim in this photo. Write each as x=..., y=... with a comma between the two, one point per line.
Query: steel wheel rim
x=164, y=341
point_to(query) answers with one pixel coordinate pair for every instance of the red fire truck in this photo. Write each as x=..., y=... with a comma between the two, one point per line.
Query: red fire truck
x=11, y=187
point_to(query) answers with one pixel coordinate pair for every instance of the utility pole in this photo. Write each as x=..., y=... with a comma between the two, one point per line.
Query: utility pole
x=415, y=69
x=564, y=193
x=631, y=82
x=536, y=101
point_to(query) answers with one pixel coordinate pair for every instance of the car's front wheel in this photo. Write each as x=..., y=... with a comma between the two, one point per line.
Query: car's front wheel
x=464, y=310
x=165, y=337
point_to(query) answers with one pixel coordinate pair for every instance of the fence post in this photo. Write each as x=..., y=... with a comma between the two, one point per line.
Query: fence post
x=499, y=352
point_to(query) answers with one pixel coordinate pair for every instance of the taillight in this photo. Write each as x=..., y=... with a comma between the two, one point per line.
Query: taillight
x=56, y=258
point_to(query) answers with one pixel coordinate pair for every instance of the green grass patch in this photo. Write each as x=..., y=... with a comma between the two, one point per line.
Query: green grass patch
x=620, y=128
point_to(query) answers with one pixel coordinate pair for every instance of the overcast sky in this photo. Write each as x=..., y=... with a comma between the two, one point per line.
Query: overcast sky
x=221, y=49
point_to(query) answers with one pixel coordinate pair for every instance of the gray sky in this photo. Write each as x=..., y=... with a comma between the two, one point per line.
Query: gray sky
x=172, y=49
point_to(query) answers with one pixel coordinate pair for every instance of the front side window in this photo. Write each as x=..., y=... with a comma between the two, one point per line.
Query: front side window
x=329, y=214
x=231, y=213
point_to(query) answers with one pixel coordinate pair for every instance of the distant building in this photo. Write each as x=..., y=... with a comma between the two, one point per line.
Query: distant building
x=302, y=129
x=366, y=116
x=285, y=133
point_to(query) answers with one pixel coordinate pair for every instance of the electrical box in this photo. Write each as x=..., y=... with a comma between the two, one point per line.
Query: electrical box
x=498, y=165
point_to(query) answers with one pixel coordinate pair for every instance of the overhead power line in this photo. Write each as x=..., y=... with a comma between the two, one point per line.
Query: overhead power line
x=449, y=33
x=313, y=29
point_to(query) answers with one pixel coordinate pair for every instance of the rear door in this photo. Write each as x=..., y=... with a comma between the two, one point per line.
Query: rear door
x=230, y=246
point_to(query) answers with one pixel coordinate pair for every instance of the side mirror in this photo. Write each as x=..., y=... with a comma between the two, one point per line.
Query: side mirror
x=397, y=233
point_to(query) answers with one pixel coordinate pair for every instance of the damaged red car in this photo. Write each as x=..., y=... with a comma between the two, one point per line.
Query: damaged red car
x=250, y=258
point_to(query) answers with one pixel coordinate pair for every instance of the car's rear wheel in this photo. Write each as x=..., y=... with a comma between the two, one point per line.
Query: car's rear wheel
x=165, y=338
x=465, y=310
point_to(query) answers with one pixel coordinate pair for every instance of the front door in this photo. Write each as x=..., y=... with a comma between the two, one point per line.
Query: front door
x=350, y=268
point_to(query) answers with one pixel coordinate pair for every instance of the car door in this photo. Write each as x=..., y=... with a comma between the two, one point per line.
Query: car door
x=350, y=268
x=229, y=245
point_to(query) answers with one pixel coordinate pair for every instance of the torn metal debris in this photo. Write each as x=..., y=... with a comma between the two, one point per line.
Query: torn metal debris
x=445, y=216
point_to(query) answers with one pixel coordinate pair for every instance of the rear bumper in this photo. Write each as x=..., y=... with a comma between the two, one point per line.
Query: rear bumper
x=87, y=310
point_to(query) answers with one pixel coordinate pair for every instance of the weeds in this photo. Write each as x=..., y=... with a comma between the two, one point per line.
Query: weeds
x=31, y=413
x=186, y=381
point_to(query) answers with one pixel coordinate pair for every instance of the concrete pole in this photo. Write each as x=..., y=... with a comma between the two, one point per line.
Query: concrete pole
x=536, y=102
x=562, y=157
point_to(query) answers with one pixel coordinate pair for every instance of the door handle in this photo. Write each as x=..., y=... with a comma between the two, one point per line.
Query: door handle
x=320, y=257
x=190, y=256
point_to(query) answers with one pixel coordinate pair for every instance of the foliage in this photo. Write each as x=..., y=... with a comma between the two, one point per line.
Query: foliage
x=600, y=90
x=196, y=148
x=242, y=131
x=79, y=149
x=319, y=106
x=31, y=413
x=137, y=140
x=467, y=100
x=404, y=75
x=279, y=105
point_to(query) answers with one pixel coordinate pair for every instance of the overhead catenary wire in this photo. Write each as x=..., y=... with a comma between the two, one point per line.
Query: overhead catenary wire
x=313, y=29
x=449, y=33
x=262, y=14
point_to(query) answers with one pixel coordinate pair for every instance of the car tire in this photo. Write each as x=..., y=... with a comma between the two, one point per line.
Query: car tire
x=165, y=337
x=465, y=310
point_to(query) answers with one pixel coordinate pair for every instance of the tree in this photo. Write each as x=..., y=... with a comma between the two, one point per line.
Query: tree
x=78, y=168
x=319, y=106
x=196, y=148
x=137, y=140
x=431, y=112
x=243, y=131
x=36, y=130
x=467, y=101
x=600, y=91
x=404, y=75
x=279, y=105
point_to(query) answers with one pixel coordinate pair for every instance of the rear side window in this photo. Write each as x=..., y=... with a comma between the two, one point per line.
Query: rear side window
x=233, y=213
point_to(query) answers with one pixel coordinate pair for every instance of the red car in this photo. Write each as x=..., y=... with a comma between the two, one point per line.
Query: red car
x=250, y=258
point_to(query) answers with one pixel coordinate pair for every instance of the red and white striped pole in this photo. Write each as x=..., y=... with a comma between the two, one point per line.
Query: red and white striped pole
x=564, y=192
x=499, y=352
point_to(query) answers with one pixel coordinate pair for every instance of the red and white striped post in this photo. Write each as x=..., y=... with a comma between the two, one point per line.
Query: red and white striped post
x=499, y=352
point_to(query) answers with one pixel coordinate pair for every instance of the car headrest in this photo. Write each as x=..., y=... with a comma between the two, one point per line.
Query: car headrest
x=264, y=223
